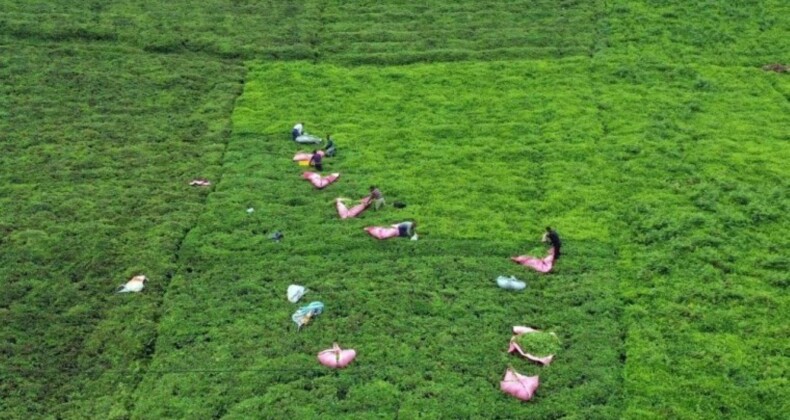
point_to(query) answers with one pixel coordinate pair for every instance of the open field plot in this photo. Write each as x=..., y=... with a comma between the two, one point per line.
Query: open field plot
x=683, y=32
x=704, y=159
x=429, y=323
x=99, y=145
x=644, y=130
x=396, y=32
x=377, y=32
x=481, y=153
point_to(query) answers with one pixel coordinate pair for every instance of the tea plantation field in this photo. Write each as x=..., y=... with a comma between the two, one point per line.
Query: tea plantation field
x=648, y=133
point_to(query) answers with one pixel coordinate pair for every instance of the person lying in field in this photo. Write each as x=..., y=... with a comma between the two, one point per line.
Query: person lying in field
x=403, y=229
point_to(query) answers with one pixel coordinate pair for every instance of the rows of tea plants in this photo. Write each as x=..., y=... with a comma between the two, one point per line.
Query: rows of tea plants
x=703, y=221
x=645, y=131
x=429, y=324
x=379, y=33
x=99, y=145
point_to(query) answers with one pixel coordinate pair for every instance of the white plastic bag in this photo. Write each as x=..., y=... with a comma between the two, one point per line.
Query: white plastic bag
x=510, y=283
x=295, y=292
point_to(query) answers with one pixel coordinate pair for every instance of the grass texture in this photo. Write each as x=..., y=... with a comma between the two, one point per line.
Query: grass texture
x=645, y=132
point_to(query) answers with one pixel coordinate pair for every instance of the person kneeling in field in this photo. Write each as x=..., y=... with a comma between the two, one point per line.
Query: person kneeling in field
x=546, y=264
x=376, y=197
x=330, y=149
x=316, y=160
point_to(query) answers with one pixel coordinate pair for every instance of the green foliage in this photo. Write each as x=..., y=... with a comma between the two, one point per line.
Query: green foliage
x=101, y=144
x=540, y=344
x=645, y=131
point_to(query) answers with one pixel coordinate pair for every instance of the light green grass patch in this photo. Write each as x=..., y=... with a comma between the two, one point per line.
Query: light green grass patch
x=426, y=318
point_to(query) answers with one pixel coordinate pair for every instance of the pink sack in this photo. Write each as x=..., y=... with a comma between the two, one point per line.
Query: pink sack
x=346, y=213
x=518, y=385
x=543, y=265
x=336, y=357
x=380, y=232
x=518, y=330
x=306, y=156
x=319, y=181
x=515, y=348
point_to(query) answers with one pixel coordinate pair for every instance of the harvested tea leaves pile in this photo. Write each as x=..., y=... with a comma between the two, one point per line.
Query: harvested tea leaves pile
x=539, y=343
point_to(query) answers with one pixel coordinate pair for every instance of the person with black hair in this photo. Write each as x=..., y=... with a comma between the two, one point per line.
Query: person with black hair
x=553, y=238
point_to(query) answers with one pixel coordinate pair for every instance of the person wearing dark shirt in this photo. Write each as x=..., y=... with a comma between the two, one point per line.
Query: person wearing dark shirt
x=316, y=161
x=330, y=146
x=407, y=229
x=551, y=237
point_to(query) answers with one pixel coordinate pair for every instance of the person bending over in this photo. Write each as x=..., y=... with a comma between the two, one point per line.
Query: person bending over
x=316, y=161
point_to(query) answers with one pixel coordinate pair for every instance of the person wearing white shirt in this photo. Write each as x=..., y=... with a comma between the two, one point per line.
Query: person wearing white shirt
x=298, y=130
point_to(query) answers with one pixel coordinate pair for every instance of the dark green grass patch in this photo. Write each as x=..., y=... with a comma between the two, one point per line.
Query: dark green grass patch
x=392, y=33
x=722, y=33
x=657, y=146
x=429, y=324
x=99, y=147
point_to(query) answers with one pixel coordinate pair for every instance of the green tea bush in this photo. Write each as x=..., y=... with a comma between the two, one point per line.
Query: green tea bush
x=648, y=133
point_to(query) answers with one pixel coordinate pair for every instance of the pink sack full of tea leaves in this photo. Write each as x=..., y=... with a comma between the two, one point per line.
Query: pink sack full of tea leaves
x=518, y=385
x=381, y=232
x=543, y=265
x=336, y=357
x=345, y=213
x=320, y=181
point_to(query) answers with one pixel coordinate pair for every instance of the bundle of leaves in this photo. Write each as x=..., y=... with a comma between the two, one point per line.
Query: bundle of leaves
x=539, y=343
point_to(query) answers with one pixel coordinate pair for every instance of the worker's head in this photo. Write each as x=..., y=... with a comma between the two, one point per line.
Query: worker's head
x=315, y=151
x=372, y=187
x=548, y=229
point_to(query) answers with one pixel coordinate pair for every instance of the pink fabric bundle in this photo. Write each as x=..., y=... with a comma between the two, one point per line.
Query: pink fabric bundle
x=319, y=181
x=380, y=232
x=543, y=265
x=306, y=156
x=515, y=348
x=336, y=357
x=345, y=212
x=518, y=385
